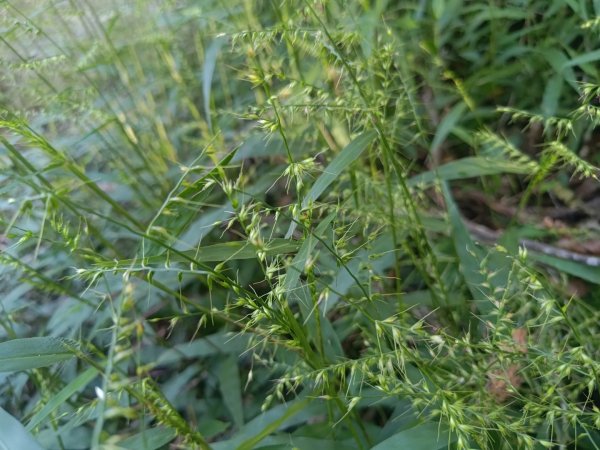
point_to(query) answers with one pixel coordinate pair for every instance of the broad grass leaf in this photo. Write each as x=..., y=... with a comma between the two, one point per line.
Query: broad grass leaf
x=175, y=218
x=378, y=256
x=256, y=146
x=13, y=436
x=470, y=255
x=296, y=268
x=347, y=156
x=469, y=167
x=588, y=273
x=560, y=63
x=210, y=218
x=287, y=441
x=550, y=101
x=226, y=251
x=208, y=70
x=62, y=396
x=583, y=59
x=273, y=426
x=219, y=343
x=149, y=439
x=231, y=388
x=31, y=353
x=427, y=436
x=292, y=413
x=446, y=125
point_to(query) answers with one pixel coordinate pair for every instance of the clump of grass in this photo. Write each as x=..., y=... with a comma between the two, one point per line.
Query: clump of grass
x=239, y=225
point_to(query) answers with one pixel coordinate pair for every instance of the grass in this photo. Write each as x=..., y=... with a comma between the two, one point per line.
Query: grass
x=249, y=224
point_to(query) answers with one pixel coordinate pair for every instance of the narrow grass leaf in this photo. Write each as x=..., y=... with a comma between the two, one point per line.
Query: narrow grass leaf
x=378, y=256
x=347, y=156
x=174, y=215
x=215, y=344
x=469, y=254
x=583, y=59
x=13, y=436
x=552, y=93
x=62, y=396
x=287, y=441
x=227, y=251
x=446, y=125
x=149, y=439
x=588, y=273
x=469, y=167
x=210, y=62
x=560, y=63
x=290, y=414
x=231, y=388
x=422, y=437
x=297, y=265
x=31, y=353
x=274, y=425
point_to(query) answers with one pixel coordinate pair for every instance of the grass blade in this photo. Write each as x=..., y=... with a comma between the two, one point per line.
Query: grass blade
x=470, y=167
x=446, y=126
x=227, y=251
x=231, y=388
x=588, y=273
x=469, y=254
x=149, y=439
x=210, y=62
x=14, y=435
x=422, y=437
x=65, y=393
x=31, y=353
x=347, y=156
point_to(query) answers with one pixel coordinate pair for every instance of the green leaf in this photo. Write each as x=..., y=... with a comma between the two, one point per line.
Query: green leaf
x=174, y=217
x=296, y=268
x=292, y=413
x=427, y=436
x=65, y=393
x=379, y=257
x=552, y=94
x=215, y=344
x=583, y=59
x=446, y=125
x=585, y=272
x=226, y=251
x=210, y=62
x=470, y=167
x=289, y=441
x=559, y=62
x=149, y=439
x=469, y=254
x=347, y=156
x=231, y=388
x=13, y=436
x=31, y=353
x=274, y=425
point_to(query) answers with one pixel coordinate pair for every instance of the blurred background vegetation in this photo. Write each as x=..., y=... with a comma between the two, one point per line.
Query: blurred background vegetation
x=240, y=224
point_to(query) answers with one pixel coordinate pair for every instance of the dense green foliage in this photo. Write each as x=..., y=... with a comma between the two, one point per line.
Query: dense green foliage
x=241, y=224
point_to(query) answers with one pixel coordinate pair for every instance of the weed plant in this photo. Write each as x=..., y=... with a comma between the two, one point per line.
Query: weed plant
x=238, y=224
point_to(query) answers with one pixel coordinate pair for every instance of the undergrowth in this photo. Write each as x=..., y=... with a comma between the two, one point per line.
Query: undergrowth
x=243, y=224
